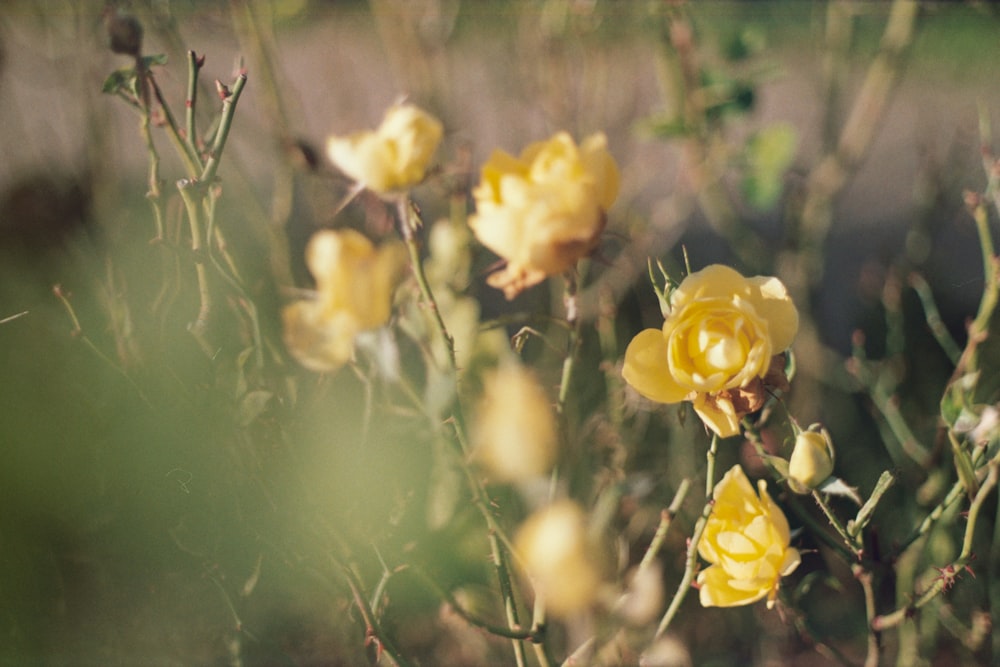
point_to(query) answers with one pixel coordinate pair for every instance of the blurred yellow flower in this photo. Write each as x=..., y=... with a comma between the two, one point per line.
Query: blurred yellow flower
x=716, y=346
x=544, y=210
x=354, y=286
x=746, y=540
x=559, y=557
x=395, y=156
x=514, y=433
x=811, y=462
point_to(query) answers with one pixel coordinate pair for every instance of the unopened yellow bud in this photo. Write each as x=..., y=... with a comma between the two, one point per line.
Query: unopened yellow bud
x=559, y=557
x=811, y=461
x=515, y=430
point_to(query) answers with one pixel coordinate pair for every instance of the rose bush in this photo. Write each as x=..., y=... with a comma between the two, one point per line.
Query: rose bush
x=395, y=156
x=354, y=286
x=717, y=346
x=746, y=540
x=544, y=210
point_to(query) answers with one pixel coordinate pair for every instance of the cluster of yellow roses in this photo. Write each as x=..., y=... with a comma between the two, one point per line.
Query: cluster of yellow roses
x=721, y=346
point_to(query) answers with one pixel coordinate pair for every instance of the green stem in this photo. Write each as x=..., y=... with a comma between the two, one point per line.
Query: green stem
x=190, y=158
x=666, y=518
x=864, y=577
x=933, y=317
x=691, y=564
x=373, y=631
x=225, y=124
x=854, y=544
x=949, y=573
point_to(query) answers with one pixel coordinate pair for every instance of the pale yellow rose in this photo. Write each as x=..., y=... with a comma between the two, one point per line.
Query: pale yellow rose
x=514, y=432
x=395, y=156
x=746, y=541
x=354, y=286
x=716, y=347
x=559, y=557
x=811, y=462
x=544, y=210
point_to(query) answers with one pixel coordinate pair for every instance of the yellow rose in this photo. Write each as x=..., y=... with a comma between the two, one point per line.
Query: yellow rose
x=544, y=210
x=354, y=285
x=557, y=554
x=514, y=433
x=716, y=346
x=395, y=156
x=811, y=461
x=746, y=541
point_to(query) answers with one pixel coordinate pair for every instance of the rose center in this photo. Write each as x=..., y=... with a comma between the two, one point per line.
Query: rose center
x=719, y=350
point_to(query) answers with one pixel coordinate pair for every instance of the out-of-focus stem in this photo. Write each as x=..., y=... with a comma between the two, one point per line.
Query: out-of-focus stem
x=190, y=129
x=666, y=518
x=692, y=553
x=193, y=208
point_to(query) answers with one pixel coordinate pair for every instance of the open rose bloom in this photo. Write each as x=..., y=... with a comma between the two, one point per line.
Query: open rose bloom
x=746, y=540
x=354, y=286
x=719, y=347
x=392, y=158
x=544, y=210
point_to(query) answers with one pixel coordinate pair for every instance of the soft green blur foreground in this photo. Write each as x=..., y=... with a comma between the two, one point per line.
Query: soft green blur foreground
x=166, y=504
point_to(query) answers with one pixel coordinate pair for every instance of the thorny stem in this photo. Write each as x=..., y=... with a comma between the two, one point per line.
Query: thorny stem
x=954, y=495
x=456, y=606
x=690, y=568
x=853, y=543
x=373, y=631
x=408, y=218
x=666, y=518
x=948, y=574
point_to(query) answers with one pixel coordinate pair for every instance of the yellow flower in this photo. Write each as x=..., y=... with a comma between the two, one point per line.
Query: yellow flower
x=746, y=541
x=544, y=210
x=515, y=432
x=559, y=557
x=395, y=156
x=354, y=285
x=716, y=346
x=811, y=461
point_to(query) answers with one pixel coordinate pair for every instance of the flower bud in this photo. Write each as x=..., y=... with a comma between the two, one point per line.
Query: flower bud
x=811, y=461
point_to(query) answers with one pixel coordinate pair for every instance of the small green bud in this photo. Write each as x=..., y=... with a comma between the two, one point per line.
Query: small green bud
x=811, y=462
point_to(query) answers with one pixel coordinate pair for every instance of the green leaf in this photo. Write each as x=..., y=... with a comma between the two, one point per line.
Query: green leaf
x=768, y=154
x=118, y=80
x=156, y=59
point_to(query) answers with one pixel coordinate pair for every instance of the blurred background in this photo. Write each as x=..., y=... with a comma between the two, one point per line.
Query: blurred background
x=156, y=511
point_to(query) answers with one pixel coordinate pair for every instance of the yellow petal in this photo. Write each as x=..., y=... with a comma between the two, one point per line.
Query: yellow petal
x=718, y=415
x=647, y=371
x=716, y=589
x=771, y=301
